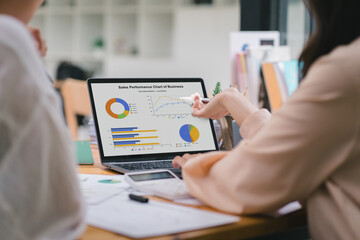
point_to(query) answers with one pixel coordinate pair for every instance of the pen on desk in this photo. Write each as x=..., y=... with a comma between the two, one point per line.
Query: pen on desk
x=138, y=198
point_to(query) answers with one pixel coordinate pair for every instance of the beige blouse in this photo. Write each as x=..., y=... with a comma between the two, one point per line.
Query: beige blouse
x=308, y=150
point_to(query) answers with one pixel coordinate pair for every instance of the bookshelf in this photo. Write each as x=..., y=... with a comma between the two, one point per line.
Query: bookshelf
x=115, y=38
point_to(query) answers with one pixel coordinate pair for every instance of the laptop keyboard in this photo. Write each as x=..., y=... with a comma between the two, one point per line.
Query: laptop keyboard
x=135, y=166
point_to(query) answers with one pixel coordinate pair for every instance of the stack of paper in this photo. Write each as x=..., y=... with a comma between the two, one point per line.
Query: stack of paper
x=109, y=207
x=139, y=220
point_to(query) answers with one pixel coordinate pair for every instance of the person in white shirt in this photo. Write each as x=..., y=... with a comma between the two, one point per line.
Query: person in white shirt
x=40, y=196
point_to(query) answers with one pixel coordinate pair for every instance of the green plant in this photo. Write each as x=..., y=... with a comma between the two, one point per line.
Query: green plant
x=217, y=89
x=99, y=43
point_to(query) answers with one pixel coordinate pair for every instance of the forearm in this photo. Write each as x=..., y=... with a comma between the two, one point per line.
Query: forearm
x=237, y=105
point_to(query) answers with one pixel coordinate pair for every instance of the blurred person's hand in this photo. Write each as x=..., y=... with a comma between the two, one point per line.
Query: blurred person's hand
x=178, y=161
x=198, y=164
x=40, y=43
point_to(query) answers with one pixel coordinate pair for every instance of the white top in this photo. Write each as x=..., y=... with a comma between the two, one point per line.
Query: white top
x=39, y=190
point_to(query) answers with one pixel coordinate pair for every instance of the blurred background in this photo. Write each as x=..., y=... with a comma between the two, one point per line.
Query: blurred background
x=160, y=38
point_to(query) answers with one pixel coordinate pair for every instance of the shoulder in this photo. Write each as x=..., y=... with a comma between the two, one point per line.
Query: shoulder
x=21, y=54
x=14, y=33
x=346, y=54
x=24, y=86
x=347, y=58
x=343, y=61
x=16, y=38
x=338, y=70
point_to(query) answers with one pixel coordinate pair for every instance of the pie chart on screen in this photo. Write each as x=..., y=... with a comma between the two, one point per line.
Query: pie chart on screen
x=124, y=104
x=189, y=133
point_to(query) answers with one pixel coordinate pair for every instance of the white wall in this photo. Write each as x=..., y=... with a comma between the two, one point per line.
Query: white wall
x=296, y=27
x=174, y=39
x=202, y=42
x=200, y=49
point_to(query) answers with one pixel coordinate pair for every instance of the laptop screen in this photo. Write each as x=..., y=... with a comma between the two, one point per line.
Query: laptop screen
x=139, y=117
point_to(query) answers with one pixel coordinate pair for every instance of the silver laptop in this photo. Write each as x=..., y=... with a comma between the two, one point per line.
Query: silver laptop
x=143, y=123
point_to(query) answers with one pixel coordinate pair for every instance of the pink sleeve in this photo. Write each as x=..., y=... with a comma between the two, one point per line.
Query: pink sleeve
x=288, y=157
x=254, y=122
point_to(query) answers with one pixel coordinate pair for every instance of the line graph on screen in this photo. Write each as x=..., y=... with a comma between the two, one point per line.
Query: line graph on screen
x=168, y=105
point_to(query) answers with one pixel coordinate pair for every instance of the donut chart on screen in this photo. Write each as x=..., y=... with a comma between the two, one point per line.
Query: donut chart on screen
x=115, y=115
x=189, y=133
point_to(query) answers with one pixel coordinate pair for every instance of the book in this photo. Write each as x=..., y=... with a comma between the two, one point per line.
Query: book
x=281, y=80
x=291, y=74
x=242, y=71
x=240, y=43
x=272, y=86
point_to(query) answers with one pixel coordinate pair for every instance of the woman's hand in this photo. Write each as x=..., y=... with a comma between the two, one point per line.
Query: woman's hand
x=229, y=101
x=213, y=110
x=198, y=164
x=178, y=161
x=40, y=43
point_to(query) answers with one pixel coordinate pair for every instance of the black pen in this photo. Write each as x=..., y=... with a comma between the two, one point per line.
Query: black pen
x=138, y=198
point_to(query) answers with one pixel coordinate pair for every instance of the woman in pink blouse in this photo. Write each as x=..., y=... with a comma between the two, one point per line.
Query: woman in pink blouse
x=309, y=150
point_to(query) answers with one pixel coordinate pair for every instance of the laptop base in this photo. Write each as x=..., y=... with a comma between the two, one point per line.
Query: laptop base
x=117, y=167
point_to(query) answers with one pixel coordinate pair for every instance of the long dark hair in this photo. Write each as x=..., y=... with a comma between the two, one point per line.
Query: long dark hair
x=337, y=22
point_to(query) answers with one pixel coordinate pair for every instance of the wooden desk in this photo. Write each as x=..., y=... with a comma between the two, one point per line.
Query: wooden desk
x=247, y=227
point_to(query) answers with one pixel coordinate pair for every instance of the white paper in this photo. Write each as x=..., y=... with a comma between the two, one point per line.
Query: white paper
x=287, y=209
x=140, y=220
x=98, y=188
x=256, y=57
x=190, y=201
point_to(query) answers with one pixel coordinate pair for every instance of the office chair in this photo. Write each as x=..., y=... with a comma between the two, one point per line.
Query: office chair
x=76, y=102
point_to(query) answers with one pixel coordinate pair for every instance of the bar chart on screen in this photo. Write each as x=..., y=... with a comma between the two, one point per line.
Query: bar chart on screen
x=133, y=136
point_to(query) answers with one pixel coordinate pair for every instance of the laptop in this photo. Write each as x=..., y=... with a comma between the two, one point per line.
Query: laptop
x=142, y=124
